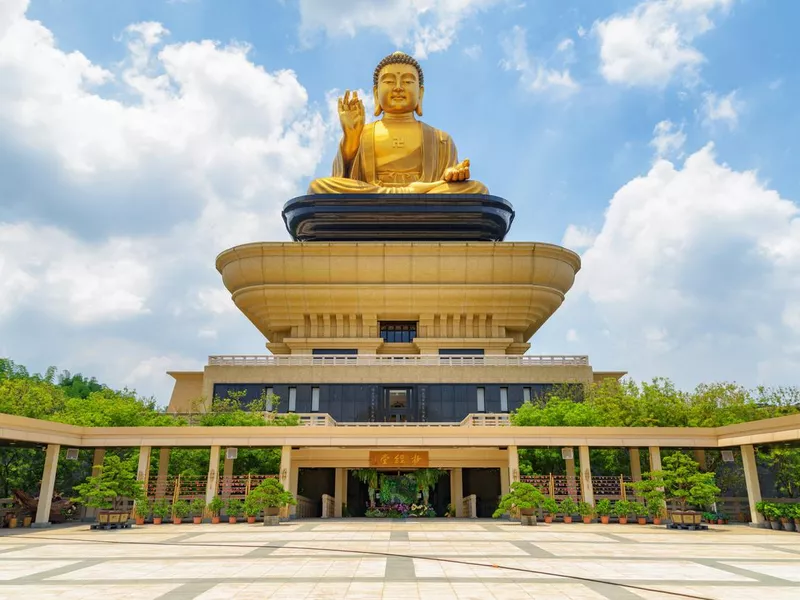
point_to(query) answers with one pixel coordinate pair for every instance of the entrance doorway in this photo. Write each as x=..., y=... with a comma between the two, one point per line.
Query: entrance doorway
x=485, y=484
x=312, y=483
x=397, y=405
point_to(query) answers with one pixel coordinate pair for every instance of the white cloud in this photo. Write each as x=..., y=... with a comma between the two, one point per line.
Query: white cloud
x=578, y=238
x=725, y=109
x=565, y=45
x=122, y=182
x=667, y=139
x=572, y=335
x=426, y=25
x=474, y=51
x=535, y=75
x=652, y=43
x=696, y=272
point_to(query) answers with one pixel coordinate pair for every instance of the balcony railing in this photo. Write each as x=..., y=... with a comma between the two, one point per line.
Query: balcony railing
x=325, y=420
x=379, y=360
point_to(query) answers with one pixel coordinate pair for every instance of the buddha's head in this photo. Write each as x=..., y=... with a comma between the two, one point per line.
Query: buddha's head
x=398, y=85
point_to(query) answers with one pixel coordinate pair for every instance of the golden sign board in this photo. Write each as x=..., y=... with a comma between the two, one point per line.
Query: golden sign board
x=398, y=458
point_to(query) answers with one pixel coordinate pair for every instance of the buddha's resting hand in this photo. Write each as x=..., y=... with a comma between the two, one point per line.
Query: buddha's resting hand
x=458, y=173
x=351, y=116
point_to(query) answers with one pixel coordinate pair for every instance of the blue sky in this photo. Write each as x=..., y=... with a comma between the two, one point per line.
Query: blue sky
x=658, y=138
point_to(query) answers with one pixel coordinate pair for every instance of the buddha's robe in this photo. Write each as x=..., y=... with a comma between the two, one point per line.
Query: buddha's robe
x=423, y=167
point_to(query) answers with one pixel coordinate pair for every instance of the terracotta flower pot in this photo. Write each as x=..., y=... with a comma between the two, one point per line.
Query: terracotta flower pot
x=214, y=520
x=232, y=520
x=604, y=519
x=548, y=518
x=197, y=520
x=641, y=520
x=720, y=522
x=139, y=520
x=656, y=521
x=156, y=520
x=567, y=519
x=26, y=521
x=176, y=520
x=587, y=520
x=12, y=523
x=251, y=520
x=623, y=520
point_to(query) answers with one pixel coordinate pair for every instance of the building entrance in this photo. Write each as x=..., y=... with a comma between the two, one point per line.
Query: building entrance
x=312, y=483
x=485, y=484
x=397, y=405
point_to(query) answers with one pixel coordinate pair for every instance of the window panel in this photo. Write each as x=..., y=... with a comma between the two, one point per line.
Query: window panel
x=503, y=399
x=481, y=399
x=269, y=406
x=314, y=399
x=292, y=399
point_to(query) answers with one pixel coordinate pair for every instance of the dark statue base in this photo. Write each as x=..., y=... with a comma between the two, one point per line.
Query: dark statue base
x=398, y=217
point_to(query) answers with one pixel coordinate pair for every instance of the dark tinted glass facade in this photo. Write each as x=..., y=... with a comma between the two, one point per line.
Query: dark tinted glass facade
x=401, y=332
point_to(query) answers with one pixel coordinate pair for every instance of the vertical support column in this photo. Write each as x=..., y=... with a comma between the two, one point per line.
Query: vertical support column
x=285, y=477
x=97, y=461
x=586, y=475
x=636, y=467
x=213, y=474
x=752, y=483
x=227, y=475
x=655, y=458
x=457, y=491
x=163, y=472
x=143, y=470
x=700, y=457
x=338, y=492
x=572, y=489
x=48, y=484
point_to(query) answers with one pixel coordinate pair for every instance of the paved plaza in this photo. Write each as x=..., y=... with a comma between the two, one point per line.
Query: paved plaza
x=442, y=559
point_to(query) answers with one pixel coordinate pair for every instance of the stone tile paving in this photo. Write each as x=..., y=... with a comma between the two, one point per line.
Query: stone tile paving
x=444, y=559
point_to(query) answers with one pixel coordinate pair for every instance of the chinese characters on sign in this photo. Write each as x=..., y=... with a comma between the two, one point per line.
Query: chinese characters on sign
x=398, y=458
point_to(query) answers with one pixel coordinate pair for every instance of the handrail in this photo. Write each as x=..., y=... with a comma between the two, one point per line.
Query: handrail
x=379, y=360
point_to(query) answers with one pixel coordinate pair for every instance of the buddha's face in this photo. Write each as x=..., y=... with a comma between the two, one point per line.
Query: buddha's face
x=398, y=89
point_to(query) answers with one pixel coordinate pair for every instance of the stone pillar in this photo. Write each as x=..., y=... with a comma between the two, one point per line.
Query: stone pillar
x=700, y=457
x=586, y=475
x=47, y=486
x=339, y=487
x=163, y=472
x=572, y=489
x=143, y=470
x=513, y=464
x=227, y=476
x=636, y=468
x=213, y=474
x=751, y=481
x=285, y=476
x=457, y=491
x=97, y=461
x=655, y=458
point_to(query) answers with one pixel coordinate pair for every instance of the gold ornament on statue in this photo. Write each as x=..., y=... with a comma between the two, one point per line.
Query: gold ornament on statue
x=397, y=154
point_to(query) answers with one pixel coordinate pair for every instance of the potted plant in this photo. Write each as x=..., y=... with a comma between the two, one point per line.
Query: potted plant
x=161, y=510
x=214, y=507
x=687, y=486
x=234, y=510
x=270, y=496
x=198, y=507
x=640, y=512
x=251, y=508
x=180, y=509
x=568, y=508
x=656, y=510
x=141, y=509
x=603, y=510
x=550, y=508
x=772, y=513
x=586, y=511
x=449, y=512
x=722, y=518
x=623, y=508
x=787, y=517
x=370, y=477
x=524, y=497
x=796, y=517
x=106, y=491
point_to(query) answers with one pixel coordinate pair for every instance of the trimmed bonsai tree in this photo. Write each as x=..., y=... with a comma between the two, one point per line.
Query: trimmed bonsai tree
x=198, y=507
x=524, y=497
x=234, y=509
x=586, y=511
x=271, y=496
x=115, y=481
x=623, y=508
x=180, y=509
x=685, y=484
x=161, y=510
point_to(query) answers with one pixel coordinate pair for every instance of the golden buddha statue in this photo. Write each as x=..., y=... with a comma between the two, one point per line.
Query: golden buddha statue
x=397, y=154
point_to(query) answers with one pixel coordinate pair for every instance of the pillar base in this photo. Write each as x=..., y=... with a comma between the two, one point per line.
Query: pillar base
x=40, y=525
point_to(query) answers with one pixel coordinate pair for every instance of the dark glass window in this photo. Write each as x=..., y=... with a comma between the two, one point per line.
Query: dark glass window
x=333, y=351
x=402, y=332
x=461, y=351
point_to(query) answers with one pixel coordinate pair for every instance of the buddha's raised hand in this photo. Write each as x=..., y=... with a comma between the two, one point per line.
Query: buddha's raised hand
x=351, y=114
x=458, y=173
